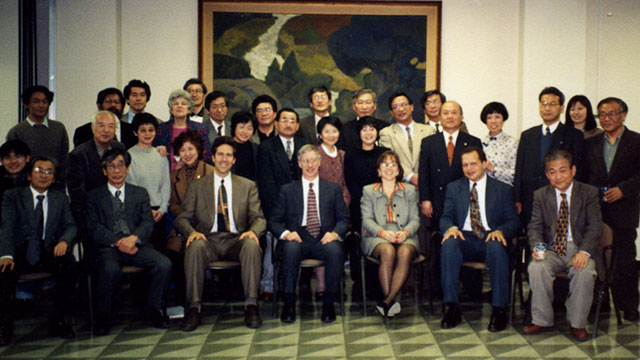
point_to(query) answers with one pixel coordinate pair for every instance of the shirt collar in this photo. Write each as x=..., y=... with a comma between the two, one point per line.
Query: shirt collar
x=217, y=178
x=32, y=123
x=35, y=193
x=284, y=142
x=568, y=191
x=113, y=189
x=480, y=184
x=551, y=127
x=305, y=184
x=454, y=134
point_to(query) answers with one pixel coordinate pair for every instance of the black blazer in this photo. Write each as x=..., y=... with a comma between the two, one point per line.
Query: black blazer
x=84, y=133
x=624, y=173
x=274, y=170
x=307, y=129
x=350, y=136
x=434, y=171
x=288, y=211
x=529, y=174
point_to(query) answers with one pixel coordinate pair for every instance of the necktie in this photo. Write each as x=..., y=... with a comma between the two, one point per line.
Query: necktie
x=313, y=221
x=220, y=130
x=547, y=132
x=560, y=244
x=410, y=141
x=118, y=201
x=289, y=150
x=223, y=209
x=34, y=247
x=474, y=211
x=450, y=149
x=437, y=127
x=121, y=227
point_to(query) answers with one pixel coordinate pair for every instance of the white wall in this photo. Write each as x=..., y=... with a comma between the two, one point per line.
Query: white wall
x=9, y=64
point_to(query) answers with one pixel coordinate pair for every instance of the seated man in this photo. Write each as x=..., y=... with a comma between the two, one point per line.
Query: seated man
x=28, y=245
x=207, y=208
x=478, y=219
x=309, y=227
x=121, y=223
x=566, y=218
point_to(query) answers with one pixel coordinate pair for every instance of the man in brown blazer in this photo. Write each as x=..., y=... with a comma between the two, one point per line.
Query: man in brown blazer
x=222, y=220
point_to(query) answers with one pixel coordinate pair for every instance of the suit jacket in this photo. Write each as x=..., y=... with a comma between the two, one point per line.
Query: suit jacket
x=18, y=221
x=101, y=216
x=84, y=133
x=624, y=173
x=288, y=210
x=529, y=174
x=435, y=172
x=498, y=204
x=350, y=136
x=308, y=129
x=179, y=184
x=374, y=209
x=199, y=210
x=125, y=118
x=164, y=137
x=256, y=138
x=274, y=170
x=393, y=137
x=213, y=128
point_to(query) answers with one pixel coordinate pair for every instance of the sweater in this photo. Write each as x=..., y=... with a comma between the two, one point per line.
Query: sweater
x=151, y=171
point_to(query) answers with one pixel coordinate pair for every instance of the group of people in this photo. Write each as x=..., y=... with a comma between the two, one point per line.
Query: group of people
x=172, y=196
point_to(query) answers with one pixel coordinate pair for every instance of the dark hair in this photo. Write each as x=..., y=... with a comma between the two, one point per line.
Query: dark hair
x=264, y=99
x=469, y=149
x=329, y=120
x=29, y=167
x=109, y=91
x=18, y=147
x=623, y=105
x=287, y=109
x=112, y=154
x=398, y=94
x=137, y=83
x=143, y=118
x=590, y=122
x=396, y=158
x=557, y=154
x=426, y=95
x=214, y=95
x=28, y=93
x=320, y=89
x=189, y=136
x=243, y=117
x=553, y=91
x=195, y=81
x=223, y=140
x=367, y=121
x=494, y=108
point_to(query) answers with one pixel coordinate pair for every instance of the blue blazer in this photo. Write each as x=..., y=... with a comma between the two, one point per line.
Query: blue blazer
x=500, y=208
x=288, y=210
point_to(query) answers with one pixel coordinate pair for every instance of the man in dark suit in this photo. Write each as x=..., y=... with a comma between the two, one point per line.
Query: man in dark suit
x=536, y=142
x=265, y=108
x=320, y=104
x=364, y=103
x=137, y=93
x=432, y=101
x=198, y=91
x=121, y=225
x=108, y=99
x=217, y=106
x=37, y=235
x=478, y=220
x=216, y=229
x=613, y=165
x=309, y=225
x=566, y=218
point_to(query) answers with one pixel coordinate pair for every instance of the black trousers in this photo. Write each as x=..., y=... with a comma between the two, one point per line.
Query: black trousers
x=625, y=270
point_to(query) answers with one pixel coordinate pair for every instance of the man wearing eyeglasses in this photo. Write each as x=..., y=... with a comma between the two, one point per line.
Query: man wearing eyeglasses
x=364, y=103
x=265, y=108
x=534, y=145
x=613, y=165
x=431, y=102
x=217, y=105
x=198, y=91
x=320, y=104
x=37, y=234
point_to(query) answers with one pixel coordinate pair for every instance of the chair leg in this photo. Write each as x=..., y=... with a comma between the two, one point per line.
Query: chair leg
x=342, y=284
x=513, y=296
x=615, y=306
x=274, y=300
x=604, y=287
x=363, y=264
x=90, y=294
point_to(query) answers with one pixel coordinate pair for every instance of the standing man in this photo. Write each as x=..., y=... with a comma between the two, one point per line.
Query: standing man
x=14, y=155
x=216, y=121
x=478, y=220
x=137, y=93
x=566, y=218
x=364, y=103
x=310, y=223
x=221, y=220
x=44, y=136
x=265, y=108
x=536, y=142
x=37, y=235
x=320, y=103
x=432, y=101
x=613, y=165
x=198, y=91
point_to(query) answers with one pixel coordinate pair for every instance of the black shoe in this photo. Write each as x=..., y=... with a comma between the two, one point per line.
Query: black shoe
x=632, y=315
x=451, y=317
x=6, y=330
x=252, y=317
x=155, y=318
x=191, y=320
x=498, y=320
x=288, y=313
x=62, y=328
x=328, y=313
x=101, y=326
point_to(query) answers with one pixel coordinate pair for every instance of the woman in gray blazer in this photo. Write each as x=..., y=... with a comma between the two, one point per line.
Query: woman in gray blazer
x=390, y=221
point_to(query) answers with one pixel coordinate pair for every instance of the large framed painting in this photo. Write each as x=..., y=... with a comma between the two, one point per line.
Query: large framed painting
x=284, y=48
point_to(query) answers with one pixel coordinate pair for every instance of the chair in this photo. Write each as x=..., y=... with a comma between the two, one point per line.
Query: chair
x=126, y=270
x=222, y=266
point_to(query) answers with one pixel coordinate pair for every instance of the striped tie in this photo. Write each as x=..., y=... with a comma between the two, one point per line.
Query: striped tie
x=313, y=221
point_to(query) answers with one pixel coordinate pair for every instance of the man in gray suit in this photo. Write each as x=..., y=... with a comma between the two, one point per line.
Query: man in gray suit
x=320, y=104
x=218, y=229
x=566, y=218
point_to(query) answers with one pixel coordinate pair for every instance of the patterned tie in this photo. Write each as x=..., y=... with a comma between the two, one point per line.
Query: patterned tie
x=474, y=211
x=313, y=221
x=410, y=141
x=289, y=150
x=34, y=246
x=118, y=201
x=223, y=209
x=450, y=149
x=560, y=244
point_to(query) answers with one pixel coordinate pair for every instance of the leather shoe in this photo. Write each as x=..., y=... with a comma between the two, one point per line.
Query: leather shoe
x=155, y=318
x=328, y=313
x=579, y=334
x=632, y=315
x=62, y=328
x=288, y=313
x=252, y=317
x=533, y=329
x=191, y=321
x=498, y=320
x=451, y=317
x=266, y=296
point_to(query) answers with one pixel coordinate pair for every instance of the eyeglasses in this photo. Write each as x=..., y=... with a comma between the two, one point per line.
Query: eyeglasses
x=549, y=104
x=433, y=102
x=41, y=171
x=264, y=110
x=400, y=106
x=388, y=165
x=195, y=91
x=609, y=115
x=309, y=161
x=288, y=121
x=120, y=165
x=320, y=97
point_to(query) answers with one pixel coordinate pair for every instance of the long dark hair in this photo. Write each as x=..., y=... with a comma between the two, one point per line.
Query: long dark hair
x=590, y=122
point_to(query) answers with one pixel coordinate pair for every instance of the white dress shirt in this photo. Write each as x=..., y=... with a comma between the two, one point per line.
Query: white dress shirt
x=481, y=189
x=552, y=127
x=453, y=134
